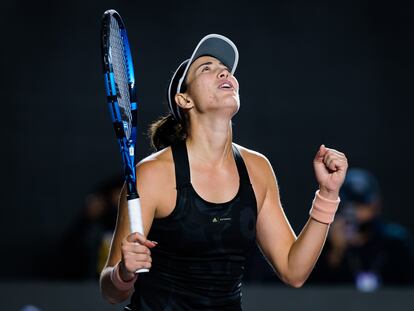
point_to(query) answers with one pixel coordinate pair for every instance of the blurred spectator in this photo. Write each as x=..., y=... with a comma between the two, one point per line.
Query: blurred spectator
x=85, y=245
x=362, y=248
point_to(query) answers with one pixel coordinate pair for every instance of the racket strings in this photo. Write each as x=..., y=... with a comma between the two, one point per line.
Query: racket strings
x=119, y=65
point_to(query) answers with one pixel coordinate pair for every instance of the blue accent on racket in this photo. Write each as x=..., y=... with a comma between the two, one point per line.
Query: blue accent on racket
x=120, y=90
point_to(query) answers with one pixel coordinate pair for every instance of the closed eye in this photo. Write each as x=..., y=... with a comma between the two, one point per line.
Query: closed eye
x=206, y=68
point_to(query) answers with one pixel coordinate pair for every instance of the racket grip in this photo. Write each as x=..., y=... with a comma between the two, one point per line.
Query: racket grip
x=135, y=221
x=135, y=216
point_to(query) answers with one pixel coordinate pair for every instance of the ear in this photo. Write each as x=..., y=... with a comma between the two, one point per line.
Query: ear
x=183, y=101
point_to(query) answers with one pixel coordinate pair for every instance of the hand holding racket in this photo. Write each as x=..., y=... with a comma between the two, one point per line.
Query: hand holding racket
x=121, y=97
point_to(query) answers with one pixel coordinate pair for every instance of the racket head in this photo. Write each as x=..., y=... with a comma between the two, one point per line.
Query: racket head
x=120, y=89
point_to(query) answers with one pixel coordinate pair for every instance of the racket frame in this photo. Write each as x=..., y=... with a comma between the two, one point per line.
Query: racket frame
x=126, y=144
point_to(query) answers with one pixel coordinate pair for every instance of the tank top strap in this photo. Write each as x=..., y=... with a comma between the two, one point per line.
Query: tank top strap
x=181, y=164
x=241, y=167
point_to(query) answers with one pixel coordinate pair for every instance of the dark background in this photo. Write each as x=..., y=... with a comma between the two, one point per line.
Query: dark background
x=310, y=72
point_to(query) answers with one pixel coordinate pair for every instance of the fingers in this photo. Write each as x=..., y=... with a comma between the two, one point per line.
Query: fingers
x=321, y=152
x=334, y=163
x=136, y=254
x=133, y=261
x=139, y=238
x=135, y=248
x=333, y=159
x=131, y=265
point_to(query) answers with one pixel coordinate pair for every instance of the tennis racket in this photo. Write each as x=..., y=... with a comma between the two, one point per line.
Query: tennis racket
x=121, y=97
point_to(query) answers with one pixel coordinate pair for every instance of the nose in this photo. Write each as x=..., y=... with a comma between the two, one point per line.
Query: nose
x=224, y=73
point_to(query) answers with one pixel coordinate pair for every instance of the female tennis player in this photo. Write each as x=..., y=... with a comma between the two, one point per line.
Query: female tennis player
x=206, y=201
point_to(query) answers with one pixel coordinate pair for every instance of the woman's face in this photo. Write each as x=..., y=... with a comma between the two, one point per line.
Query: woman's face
x=211, y=87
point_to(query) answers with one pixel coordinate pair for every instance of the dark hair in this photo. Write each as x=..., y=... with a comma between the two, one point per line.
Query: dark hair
x=167, y=131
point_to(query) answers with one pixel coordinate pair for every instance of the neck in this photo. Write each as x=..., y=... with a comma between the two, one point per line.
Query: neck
x=210, y=141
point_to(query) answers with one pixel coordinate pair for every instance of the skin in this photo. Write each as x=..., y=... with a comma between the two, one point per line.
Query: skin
x=210, y=155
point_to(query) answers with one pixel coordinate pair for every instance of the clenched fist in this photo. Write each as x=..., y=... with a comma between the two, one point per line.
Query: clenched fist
x=330, y=168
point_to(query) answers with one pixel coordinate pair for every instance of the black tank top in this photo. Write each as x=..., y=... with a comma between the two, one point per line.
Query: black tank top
x=202, y=247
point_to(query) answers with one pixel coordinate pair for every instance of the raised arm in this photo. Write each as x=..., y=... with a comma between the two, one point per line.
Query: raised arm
x=293, y=258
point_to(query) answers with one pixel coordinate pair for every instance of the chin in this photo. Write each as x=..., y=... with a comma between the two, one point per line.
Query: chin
x=229, y=106
x=234, y=108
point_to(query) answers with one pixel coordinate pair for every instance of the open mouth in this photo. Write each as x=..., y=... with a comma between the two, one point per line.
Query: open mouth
x=226, y=85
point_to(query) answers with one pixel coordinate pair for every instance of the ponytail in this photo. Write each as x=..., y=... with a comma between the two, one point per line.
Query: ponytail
x=167, y=131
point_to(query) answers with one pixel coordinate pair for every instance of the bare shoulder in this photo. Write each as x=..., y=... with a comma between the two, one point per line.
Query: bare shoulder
x=155, y=173
x=157, y=163
x=254, y=160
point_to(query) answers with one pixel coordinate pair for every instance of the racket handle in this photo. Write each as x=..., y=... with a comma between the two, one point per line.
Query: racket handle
x=135, y=216
x=135, y=221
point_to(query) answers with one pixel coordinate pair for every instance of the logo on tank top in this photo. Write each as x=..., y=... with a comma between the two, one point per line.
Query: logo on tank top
x=218, y=219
